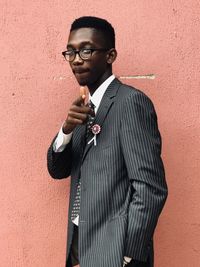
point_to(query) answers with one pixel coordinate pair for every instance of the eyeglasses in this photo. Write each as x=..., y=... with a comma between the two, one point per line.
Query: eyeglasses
x=84, y=53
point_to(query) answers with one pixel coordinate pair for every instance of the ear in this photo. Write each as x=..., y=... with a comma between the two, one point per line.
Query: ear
x=111, y=55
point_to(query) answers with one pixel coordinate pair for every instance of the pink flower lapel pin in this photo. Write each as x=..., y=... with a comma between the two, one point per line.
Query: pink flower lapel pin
x=96, y=129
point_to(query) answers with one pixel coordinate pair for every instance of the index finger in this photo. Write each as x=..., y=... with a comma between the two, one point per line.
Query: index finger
x=79, y=101
x=83, y=91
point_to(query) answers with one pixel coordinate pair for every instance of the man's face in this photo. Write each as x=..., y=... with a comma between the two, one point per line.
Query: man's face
x=90, y=71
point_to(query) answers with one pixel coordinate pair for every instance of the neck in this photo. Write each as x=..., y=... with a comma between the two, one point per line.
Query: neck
x=92, y=87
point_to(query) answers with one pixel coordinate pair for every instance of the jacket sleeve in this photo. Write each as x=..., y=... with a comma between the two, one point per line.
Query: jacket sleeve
x=141, y=145
x=59, y=163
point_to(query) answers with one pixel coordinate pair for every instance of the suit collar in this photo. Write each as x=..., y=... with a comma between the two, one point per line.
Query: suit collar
x=112, y=88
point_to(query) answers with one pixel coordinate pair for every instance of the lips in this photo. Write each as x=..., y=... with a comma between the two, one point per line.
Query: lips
x=80, y=71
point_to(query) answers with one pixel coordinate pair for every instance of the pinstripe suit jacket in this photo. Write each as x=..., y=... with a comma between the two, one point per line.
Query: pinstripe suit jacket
x=123, y=186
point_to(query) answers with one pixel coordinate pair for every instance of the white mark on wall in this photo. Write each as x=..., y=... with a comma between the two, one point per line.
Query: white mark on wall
x=127, y=77
x=61, y=77
x=147, y=76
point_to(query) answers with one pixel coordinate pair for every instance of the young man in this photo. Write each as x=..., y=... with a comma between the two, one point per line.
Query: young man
x=111, y=149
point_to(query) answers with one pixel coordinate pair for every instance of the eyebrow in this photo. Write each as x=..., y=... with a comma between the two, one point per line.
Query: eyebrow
x=81, y=44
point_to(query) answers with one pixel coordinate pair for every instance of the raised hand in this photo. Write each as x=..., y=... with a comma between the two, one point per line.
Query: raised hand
x=78, y=113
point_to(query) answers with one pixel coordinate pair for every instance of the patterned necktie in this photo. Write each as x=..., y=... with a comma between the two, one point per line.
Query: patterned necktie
x=76, y=205
x=90, y=120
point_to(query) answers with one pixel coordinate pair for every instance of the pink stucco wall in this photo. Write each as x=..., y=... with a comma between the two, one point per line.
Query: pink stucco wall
x=36, y=88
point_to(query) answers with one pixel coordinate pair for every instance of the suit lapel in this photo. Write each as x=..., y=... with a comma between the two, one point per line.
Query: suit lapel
x=105, y=105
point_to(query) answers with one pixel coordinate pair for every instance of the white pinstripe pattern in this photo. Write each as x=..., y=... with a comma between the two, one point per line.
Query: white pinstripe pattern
x=123, y=186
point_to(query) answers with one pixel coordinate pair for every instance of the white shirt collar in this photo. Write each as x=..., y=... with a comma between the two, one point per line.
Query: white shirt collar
x=98, y=94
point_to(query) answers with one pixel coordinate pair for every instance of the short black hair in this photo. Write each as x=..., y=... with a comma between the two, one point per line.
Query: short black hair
x=98, y=24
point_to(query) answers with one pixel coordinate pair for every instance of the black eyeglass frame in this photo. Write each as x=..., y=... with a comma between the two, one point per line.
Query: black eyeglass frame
x=78, y=52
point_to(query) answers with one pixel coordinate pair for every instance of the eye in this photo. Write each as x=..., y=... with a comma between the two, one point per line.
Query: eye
x=86, y=51
x=69, y=52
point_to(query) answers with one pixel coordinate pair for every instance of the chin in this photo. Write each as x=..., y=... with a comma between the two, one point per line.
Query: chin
x=82, y=82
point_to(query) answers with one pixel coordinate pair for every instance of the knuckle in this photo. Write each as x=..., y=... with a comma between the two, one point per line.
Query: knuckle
x=73, y=107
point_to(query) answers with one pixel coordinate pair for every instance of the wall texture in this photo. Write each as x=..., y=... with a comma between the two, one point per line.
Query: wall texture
x=36, y=89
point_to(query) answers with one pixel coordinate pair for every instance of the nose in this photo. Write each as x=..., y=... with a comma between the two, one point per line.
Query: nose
x=77, y=60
